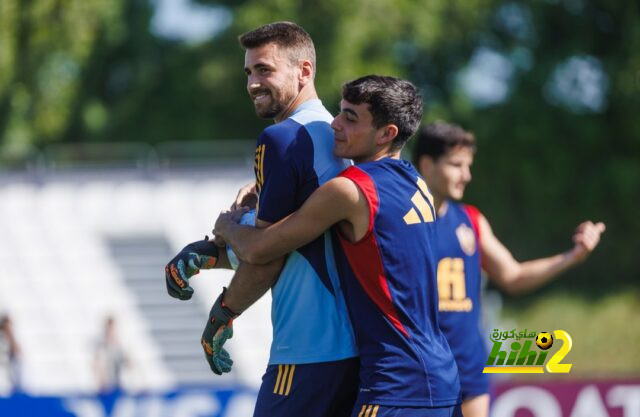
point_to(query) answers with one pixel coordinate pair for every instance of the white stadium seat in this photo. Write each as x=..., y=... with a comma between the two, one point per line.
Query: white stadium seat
x=63, y=247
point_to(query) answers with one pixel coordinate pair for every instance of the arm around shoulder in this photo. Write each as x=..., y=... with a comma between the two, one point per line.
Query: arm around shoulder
x=334, y=201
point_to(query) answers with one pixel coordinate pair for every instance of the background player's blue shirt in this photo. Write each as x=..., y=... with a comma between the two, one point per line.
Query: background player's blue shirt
x=459, y=295
x=310, y=321
x=389, y=278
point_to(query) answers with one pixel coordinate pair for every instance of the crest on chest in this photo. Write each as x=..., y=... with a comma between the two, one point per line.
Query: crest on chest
x=466, y=238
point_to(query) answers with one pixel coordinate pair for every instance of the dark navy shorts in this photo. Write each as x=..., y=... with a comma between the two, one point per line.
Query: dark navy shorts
x=325, y=389
x=376, y=410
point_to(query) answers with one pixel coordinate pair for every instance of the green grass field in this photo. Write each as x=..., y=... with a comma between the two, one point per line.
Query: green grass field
x=605, y=332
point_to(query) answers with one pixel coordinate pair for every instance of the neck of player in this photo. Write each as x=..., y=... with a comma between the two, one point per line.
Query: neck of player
x=440, y=204
x=307, y=92
x=380, y=154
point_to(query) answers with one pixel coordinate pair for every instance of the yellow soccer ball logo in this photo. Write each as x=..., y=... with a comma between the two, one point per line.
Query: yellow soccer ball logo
x=544, y=340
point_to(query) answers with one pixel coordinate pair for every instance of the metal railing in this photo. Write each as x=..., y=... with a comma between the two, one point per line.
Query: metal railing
x=131, y=155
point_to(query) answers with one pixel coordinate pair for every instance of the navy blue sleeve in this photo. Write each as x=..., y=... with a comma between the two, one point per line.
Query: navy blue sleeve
x=279, y=169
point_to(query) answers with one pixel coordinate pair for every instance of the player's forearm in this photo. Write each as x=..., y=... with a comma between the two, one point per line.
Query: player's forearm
x=532, y=274
x=250, y=282
x=256, y=246
x=245, y=242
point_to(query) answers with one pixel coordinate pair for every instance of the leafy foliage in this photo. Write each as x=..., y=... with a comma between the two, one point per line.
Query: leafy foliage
x=553, y=99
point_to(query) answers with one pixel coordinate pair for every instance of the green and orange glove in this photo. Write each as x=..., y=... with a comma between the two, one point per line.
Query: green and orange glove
x=216, y=332
x=194, y=257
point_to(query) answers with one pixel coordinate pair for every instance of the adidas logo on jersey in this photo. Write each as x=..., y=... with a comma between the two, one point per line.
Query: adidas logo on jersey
x=420, y=203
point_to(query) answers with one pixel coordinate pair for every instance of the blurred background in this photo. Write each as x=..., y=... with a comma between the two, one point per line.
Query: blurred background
x=125, y=127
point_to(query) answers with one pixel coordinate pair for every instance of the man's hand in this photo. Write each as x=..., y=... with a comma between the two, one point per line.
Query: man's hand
x=194, y=257
x=216, y=332
x=247, y=197
x=227, y=218
x=586, y=238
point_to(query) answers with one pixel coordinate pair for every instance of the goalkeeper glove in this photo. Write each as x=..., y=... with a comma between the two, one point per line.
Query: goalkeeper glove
x=194, y=257
x=216, y=332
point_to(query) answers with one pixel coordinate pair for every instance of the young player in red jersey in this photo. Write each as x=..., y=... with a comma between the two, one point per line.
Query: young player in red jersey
x=383, y=238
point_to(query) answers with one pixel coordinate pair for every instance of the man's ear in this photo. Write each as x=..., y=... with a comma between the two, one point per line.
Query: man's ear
x=388, y=134
x=306, y=72
x=426, y=165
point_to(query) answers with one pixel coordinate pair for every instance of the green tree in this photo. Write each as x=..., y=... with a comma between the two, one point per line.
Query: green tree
x=558, y=143
x=45, y=46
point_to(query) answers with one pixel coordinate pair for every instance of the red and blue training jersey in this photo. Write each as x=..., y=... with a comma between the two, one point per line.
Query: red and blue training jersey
x=459, y=292
x=389, y=280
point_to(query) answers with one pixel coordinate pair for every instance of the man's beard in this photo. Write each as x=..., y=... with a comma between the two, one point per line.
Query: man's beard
x=274, y=108
x=271, y=111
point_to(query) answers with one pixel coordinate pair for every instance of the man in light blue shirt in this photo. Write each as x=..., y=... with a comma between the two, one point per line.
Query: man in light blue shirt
x=313, y=368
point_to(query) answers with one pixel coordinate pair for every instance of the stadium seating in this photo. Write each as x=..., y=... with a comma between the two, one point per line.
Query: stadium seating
x=77, y=247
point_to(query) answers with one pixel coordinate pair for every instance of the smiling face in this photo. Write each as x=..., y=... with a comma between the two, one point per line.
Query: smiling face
x=449, y=175
x=355, y=136
x=272, y=80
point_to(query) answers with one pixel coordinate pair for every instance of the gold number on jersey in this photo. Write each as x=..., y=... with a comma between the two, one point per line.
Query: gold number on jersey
x=419, y=202
x=452, y=290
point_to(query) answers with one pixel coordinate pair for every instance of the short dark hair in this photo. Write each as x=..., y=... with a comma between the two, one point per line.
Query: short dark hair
x=436, y=139
x=287, y=35
x=391, y=101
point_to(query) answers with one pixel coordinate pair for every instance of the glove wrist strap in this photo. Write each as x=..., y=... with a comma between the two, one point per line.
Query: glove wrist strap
x=220, y=311
x=204, y=247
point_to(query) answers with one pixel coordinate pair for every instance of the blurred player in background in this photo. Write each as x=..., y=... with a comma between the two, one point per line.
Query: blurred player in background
x=313, y=368
x=109, y=359
x=444, y=155
x=10, y=368
x=384, y=238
